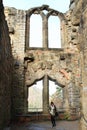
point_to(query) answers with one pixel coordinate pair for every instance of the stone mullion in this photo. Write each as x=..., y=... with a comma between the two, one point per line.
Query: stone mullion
x=45, y=94
x=45, y=31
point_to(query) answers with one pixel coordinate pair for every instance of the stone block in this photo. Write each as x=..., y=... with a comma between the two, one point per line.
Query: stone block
x=11, y=30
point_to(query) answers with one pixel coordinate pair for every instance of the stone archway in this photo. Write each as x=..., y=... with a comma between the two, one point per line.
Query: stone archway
x=45, y=64
x=51, y=63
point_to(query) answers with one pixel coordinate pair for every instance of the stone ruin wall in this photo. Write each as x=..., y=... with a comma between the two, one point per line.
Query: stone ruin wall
x=16, y=24
x=72, y=47
x=59, y=66
x=5, y=71
x=83, y=34
x=16, y=20
x=75, y=38
x=79, y=17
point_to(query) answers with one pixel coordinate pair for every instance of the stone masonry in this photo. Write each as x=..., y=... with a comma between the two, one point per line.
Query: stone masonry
x=6, y=64
x=66, y=66
x=79, y=19
x=32, y=64
x=16, y=23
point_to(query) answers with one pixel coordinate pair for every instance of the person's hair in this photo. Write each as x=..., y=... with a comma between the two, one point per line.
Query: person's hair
x=52, y=103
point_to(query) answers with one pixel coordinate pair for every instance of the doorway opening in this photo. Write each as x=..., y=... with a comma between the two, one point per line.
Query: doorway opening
x=35, y=99
x=56, y=94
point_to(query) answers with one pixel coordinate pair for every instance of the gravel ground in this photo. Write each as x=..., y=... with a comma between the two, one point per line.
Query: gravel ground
x=46, y=125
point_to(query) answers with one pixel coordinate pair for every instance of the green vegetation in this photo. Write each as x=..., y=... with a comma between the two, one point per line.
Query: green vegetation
x=59, y=92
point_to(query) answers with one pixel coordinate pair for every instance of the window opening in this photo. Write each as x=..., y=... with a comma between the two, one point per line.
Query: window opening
x=35, y=101
x=55, y=94
x=54, y=32
x=35, y=31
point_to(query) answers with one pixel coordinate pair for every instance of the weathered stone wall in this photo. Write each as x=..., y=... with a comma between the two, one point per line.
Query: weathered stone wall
x=79, y=17
x=74, y=43
x=5, y=71
x=72, y=30
x=61, y=65
x=16, y=23
x=83, y=47
x=73, y=60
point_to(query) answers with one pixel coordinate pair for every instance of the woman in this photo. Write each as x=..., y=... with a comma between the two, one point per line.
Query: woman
x=52, y=113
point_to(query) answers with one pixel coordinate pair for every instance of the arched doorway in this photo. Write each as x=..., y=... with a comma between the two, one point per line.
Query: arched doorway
x=56, y=94
x=35, y=97
x=41, y=92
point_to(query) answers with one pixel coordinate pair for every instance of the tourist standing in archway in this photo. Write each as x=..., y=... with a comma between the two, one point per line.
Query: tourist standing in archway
x=52, y=113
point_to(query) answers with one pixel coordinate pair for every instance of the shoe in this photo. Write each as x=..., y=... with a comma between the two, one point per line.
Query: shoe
x=52, y=126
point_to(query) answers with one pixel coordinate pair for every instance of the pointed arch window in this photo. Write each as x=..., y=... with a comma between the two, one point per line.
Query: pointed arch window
x=54, y=32
x=35, y=31
x=43, y=27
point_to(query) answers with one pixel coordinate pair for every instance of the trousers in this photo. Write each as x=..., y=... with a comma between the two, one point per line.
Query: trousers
x=53, y=120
